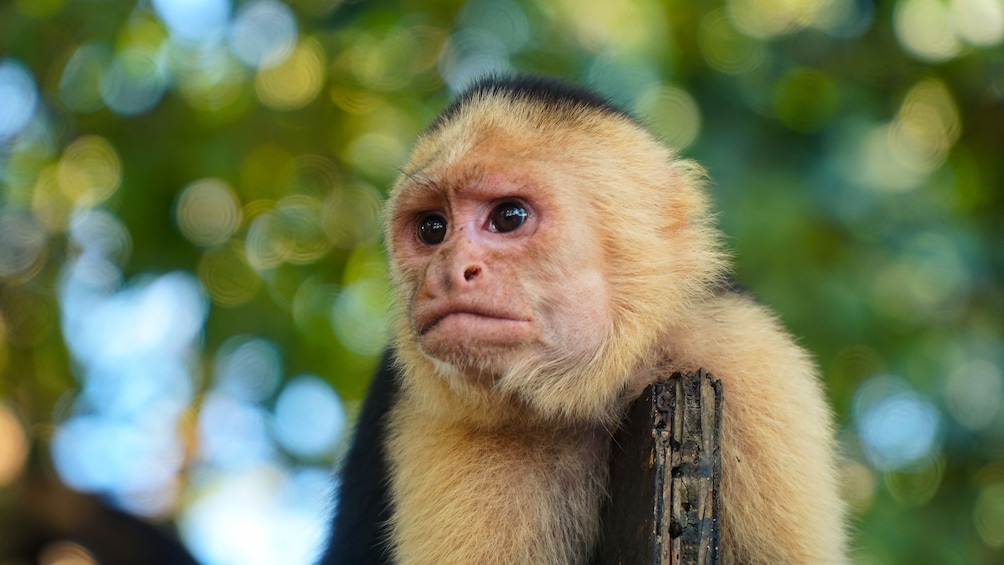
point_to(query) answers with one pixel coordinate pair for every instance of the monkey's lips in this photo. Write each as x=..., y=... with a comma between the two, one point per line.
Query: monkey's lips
x=461, y=322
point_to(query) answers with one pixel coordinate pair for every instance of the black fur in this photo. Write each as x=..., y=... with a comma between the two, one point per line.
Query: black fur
x=557, y=95
x=359, y=535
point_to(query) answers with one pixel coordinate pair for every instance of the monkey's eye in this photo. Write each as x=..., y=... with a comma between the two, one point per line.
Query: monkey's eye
x=432, y=229
x=507, y=217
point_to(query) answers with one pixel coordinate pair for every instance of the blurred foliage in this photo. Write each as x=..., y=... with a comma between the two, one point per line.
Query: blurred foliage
x=854, y=147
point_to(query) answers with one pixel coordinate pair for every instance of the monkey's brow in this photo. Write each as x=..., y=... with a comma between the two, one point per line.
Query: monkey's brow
x=469, y=176
x=416, y=177
x=419, y=181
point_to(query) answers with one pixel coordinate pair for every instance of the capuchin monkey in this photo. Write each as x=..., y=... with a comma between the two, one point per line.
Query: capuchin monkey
x=551, y=258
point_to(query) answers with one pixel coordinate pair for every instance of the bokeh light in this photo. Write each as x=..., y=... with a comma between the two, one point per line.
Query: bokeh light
x=294, y=82
x=208, y=212
x=869, y=161
x=311, y=306
x=928, y=280
x=99, y=233
x=859, y=484
x=308, y=175
x=49, y=203
x=13, y=446
x=247, y=507
x=263, y=516
x=309, y=417
x=233, y=424
x=227, y=275
x=127, y=458
x=915, y=487
x=902, y=154
x=621, y=27
x=23, y=160
x=899, y=428
x=290, y=232
x=208, y=77
x=503, y=19
x=233, y=434
x=248, y=369
x=932, y=30
x=22, y=244
x=263, y=34
x=471, y=53
x=194, y=20
x=156, y=316
x=988, y=515
x=844, y=18
x=764, y=18
x=134, y=82
x=66, y=553
x=80, y=82
x=351, y=216
x=373, y=152
x=623, y=77
x=89, y=171
x=672, y=113
x=298, y=220
x=974, y=394
x=725, y=48
x=18, y=98
x=767, y=18
x=978, y=22
x=360, y=314
x=925, y=128
x=133, y=346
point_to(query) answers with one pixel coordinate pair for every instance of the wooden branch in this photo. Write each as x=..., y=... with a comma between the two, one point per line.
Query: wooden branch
x=665, y=472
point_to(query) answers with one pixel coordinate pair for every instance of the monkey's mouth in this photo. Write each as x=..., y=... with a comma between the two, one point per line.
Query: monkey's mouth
x=467, y=318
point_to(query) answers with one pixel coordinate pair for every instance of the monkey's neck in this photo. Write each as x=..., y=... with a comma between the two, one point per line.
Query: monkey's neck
x=514, y=493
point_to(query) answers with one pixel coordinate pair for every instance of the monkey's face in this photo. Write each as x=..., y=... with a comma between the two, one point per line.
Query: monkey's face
x=543, y=253
x=496, y=269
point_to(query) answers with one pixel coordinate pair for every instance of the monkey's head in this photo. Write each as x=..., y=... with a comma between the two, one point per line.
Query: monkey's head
x=542, y=242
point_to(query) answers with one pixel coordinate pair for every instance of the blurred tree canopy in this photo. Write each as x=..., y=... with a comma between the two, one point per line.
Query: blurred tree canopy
x=192, y=285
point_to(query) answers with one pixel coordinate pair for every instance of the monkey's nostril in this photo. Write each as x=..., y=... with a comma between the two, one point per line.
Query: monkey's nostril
x=471, y=272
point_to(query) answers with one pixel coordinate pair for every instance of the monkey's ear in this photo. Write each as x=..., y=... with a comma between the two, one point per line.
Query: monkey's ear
x=678, y=206
x=688, y=201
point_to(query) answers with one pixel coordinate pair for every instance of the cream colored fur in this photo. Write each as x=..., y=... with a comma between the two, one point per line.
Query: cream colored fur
x=502, y=458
